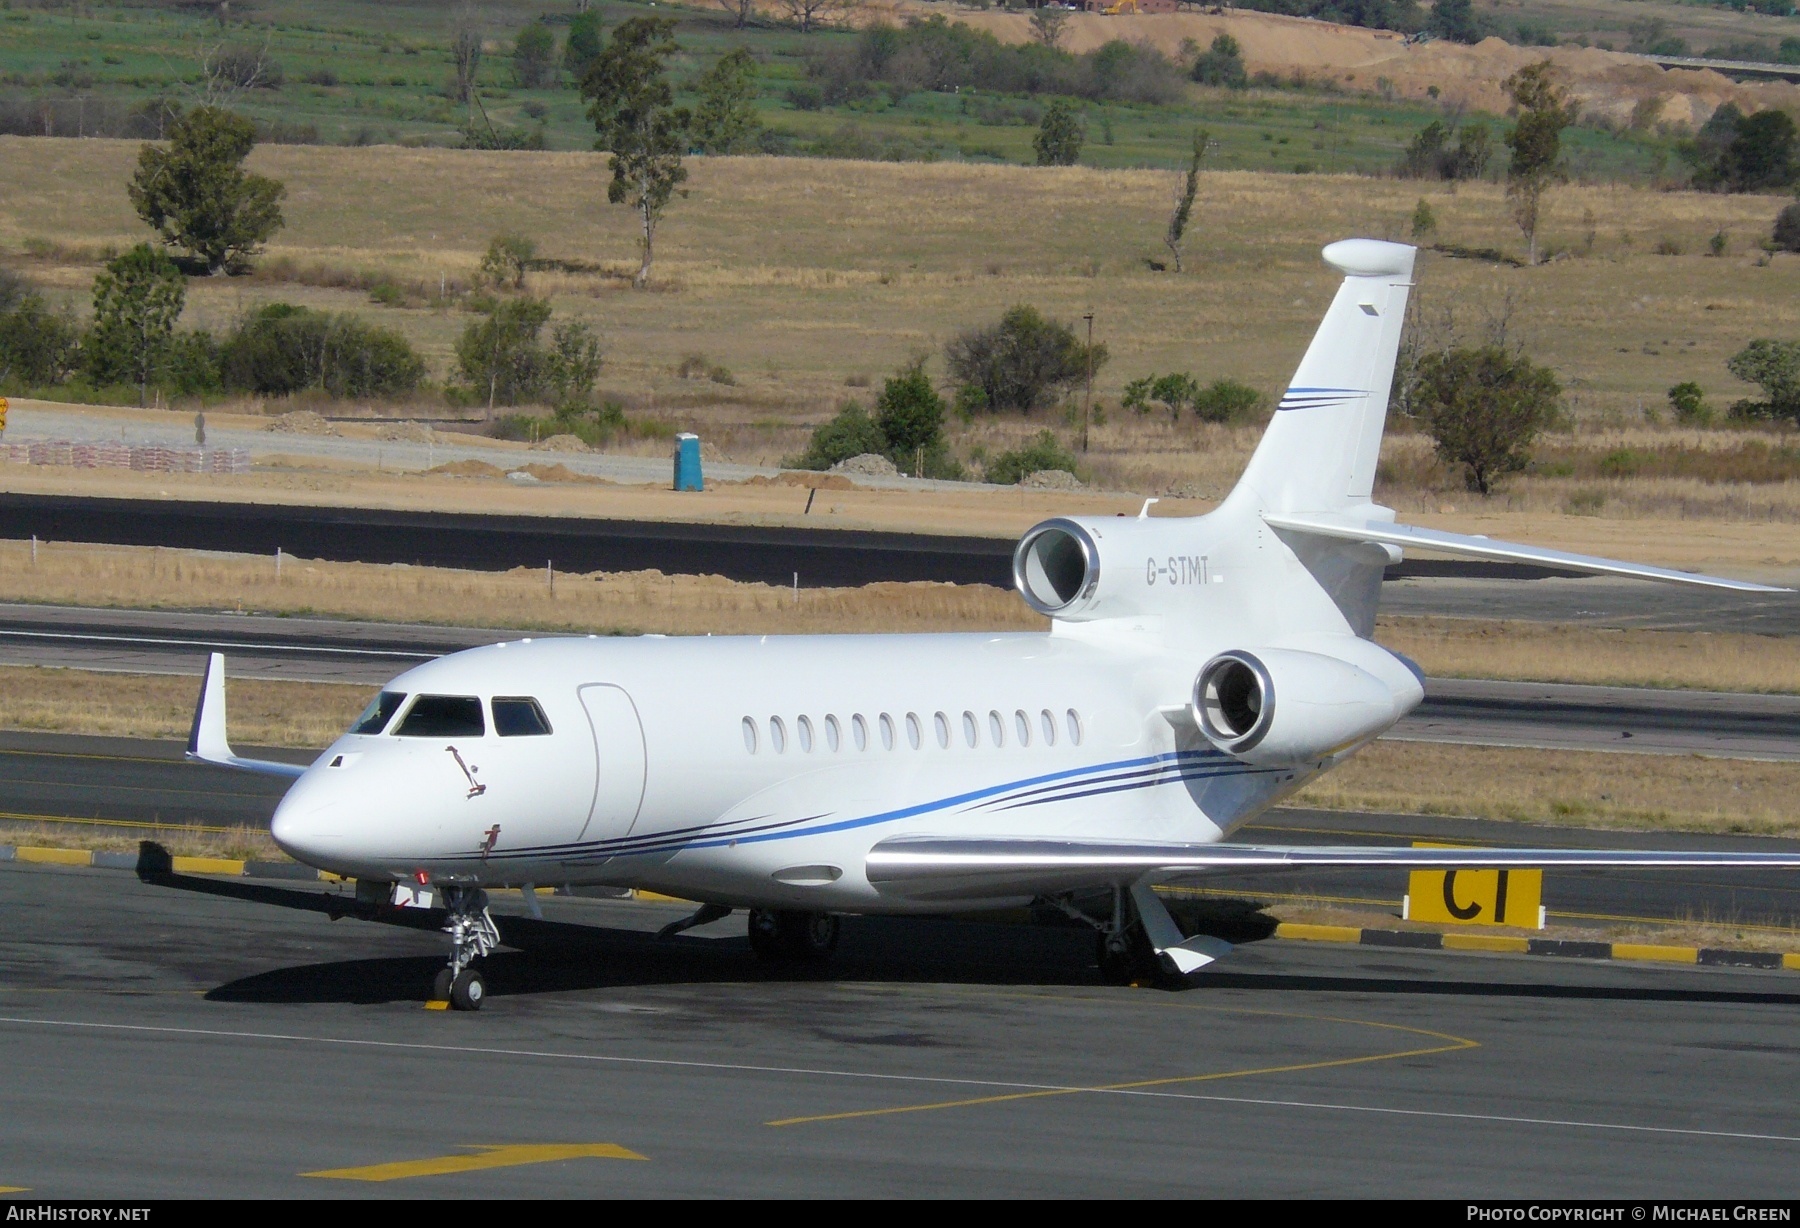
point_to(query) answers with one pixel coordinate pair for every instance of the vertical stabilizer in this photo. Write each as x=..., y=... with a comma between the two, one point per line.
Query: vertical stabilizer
x=1320, y=451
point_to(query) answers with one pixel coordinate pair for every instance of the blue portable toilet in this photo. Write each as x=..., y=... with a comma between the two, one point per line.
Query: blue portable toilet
x=687, y=462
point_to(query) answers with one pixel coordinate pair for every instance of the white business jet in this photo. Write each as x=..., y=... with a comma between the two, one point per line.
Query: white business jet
x=1196, y=671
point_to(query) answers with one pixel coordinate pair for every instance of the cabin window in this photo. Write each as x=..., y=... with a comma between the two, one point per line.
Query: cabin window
x=942, y=725
x=749, y=735
x=443, y=716
x=519, y=716
x=887, y=732
x=1048, y=724
x=1074, y=727
x=380, y=711
x=777, y=735
x=803, y=730
x=915, y=734
x=971, y=730
x=1022, y=725
x=997, y=728
x=833, y=736
x=859, y=732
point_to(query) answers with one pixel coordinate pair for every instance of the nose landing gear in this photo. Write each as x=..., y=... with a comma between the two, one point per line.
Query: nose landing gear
x=472, y=934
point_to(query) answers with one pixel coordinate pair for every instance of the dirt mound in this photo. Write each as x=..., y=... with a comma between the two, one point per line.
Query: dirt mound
x=1609, y=84
x=555, y=473
x=302, y=422
x=405, y=432
x=805, y=480
x=1051, y=479
x=561, y=443
x=869, y=464
x=469, y=469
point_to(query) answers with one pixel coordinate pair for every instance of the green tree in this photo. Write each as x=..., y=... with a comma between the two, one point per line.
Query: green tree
x=137, y=299
x=910, y=415
x=38, y=347
x=499, y=355
x=1221, y=64
x=1227, y=400
x=507, y=259
x=633, y=109
x=534, y=56
x=1424, y=221
x=1484, y=408
x=1786, y=235
x=1019, y=362
x=726, y=121
x=1059, y=136
x=1456, y=21
x=851, y=433
x=573, y=367
x=1776, y=366
x=1761, y=155
x=584, y=44
x=1688, y=401
x=1535, y=139
x=1174, y=392
x=1184, y=199
x=283, y=348
x=198, y=196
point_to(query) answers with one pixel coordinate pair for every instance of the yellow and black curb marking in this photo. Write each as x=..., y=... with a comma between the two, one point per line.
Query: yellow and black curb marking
x=1413, y=940
x=1427, y=940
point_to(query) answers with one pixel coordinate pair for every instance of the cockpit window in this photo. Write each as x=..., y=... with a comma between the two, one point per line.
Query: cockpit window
x=380, y=711
x=442, y=716
x=518, y=716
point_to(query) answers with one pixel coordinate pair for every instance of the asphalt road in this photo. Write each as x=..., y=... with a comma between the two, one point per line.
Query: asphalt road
x=182, y=1043
x=323, y=650
x=134, y=788
x=819, y=557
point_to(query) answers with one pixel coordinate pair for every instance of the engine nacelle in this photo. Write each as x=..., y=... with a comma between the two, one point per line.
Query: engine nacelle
x=1284, y=706
x=1079, y=569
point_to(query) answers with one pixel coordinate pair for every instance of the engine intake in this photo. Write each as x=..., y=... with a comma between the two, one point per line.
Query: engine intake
x=1056, y=566
x=1283, y=706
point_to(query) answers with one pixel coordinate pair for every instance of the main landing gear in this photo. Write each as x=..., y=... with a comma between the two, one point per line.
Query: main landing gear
x=1121, y=947
x=782, y=937
x=472, y=934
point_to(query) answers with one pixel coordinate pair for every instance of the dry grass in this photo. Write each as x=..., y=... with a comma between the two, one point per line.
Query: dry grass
x=1551, y=652
x=306, y=714
x=239, y=843
x=615, y=603
x=1566, y=788
x=797, y=274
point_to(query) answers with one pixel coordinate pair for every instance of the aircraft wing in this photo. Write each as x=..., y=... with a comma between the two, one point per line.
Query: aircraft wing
x=207, y=742
x=949, y=868
x=1406, y=535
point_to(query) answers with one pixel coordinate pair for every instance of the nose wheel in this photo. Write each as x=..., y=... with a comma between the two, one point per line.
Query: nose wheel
x=783, y=937
x=472, y=934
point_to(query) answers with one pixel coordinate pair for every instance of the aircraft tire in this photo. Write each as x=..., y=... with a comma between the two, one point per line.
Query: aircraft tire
x=1135, y=965
x=440, y=985
x=468, y=990
x=785, y=937
x=765, y=935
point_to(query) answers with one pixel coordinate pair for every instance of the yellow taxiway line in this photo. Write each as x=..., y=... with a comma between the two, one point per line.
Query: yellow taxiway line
x=487, y=1156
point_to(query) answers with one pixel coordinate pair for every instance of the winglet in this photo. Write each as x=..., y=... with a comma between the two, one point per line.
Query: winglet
x=206, y=739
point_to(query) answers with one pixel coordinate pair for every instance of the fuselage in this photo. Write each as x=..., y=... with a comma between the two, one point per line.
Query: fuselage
x=759, y=771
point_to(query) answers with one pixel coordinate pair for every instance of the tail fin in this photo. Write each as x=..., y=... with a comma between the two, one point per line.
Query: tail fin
x=1320, y=451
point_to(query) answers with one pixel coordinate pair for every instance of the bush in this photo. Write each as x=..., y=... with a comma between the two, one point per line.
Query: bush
x=1787, y=228
x=1059, y=137
x=1222, y=64
x=191, y=365
x=38, y=347
x=284, y=349
x=851, y=433
x=1226, y=400
x=1484, y=408
x=1044, y=451
x=1174, y=392
x=508, y=257
x=1020, y=362
x=1776, y=366
x=1688, y=402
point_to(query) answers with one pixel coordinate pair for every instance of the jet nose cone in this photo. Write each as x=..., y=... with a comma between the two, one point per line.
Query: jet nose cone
x=306, y=822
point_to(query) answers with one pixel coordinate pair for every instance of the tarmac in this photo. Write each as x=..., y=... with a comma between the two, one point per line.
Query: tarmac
x=171, y=1043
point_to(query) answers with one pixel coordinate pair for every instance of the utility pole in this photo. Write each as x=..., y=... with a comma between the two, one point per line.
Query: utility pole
x=1087, y=400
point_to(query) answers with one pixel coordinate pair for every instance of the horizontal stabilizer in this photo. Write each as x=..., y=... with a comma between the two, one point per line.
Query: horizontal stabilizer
x=207, y=742
x=1408, y=536
x=935, y=867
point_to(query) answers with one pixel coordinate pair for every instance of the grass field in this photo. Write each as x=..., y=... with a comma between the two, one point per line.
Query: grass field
x=806, y=279
x=355, y=71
